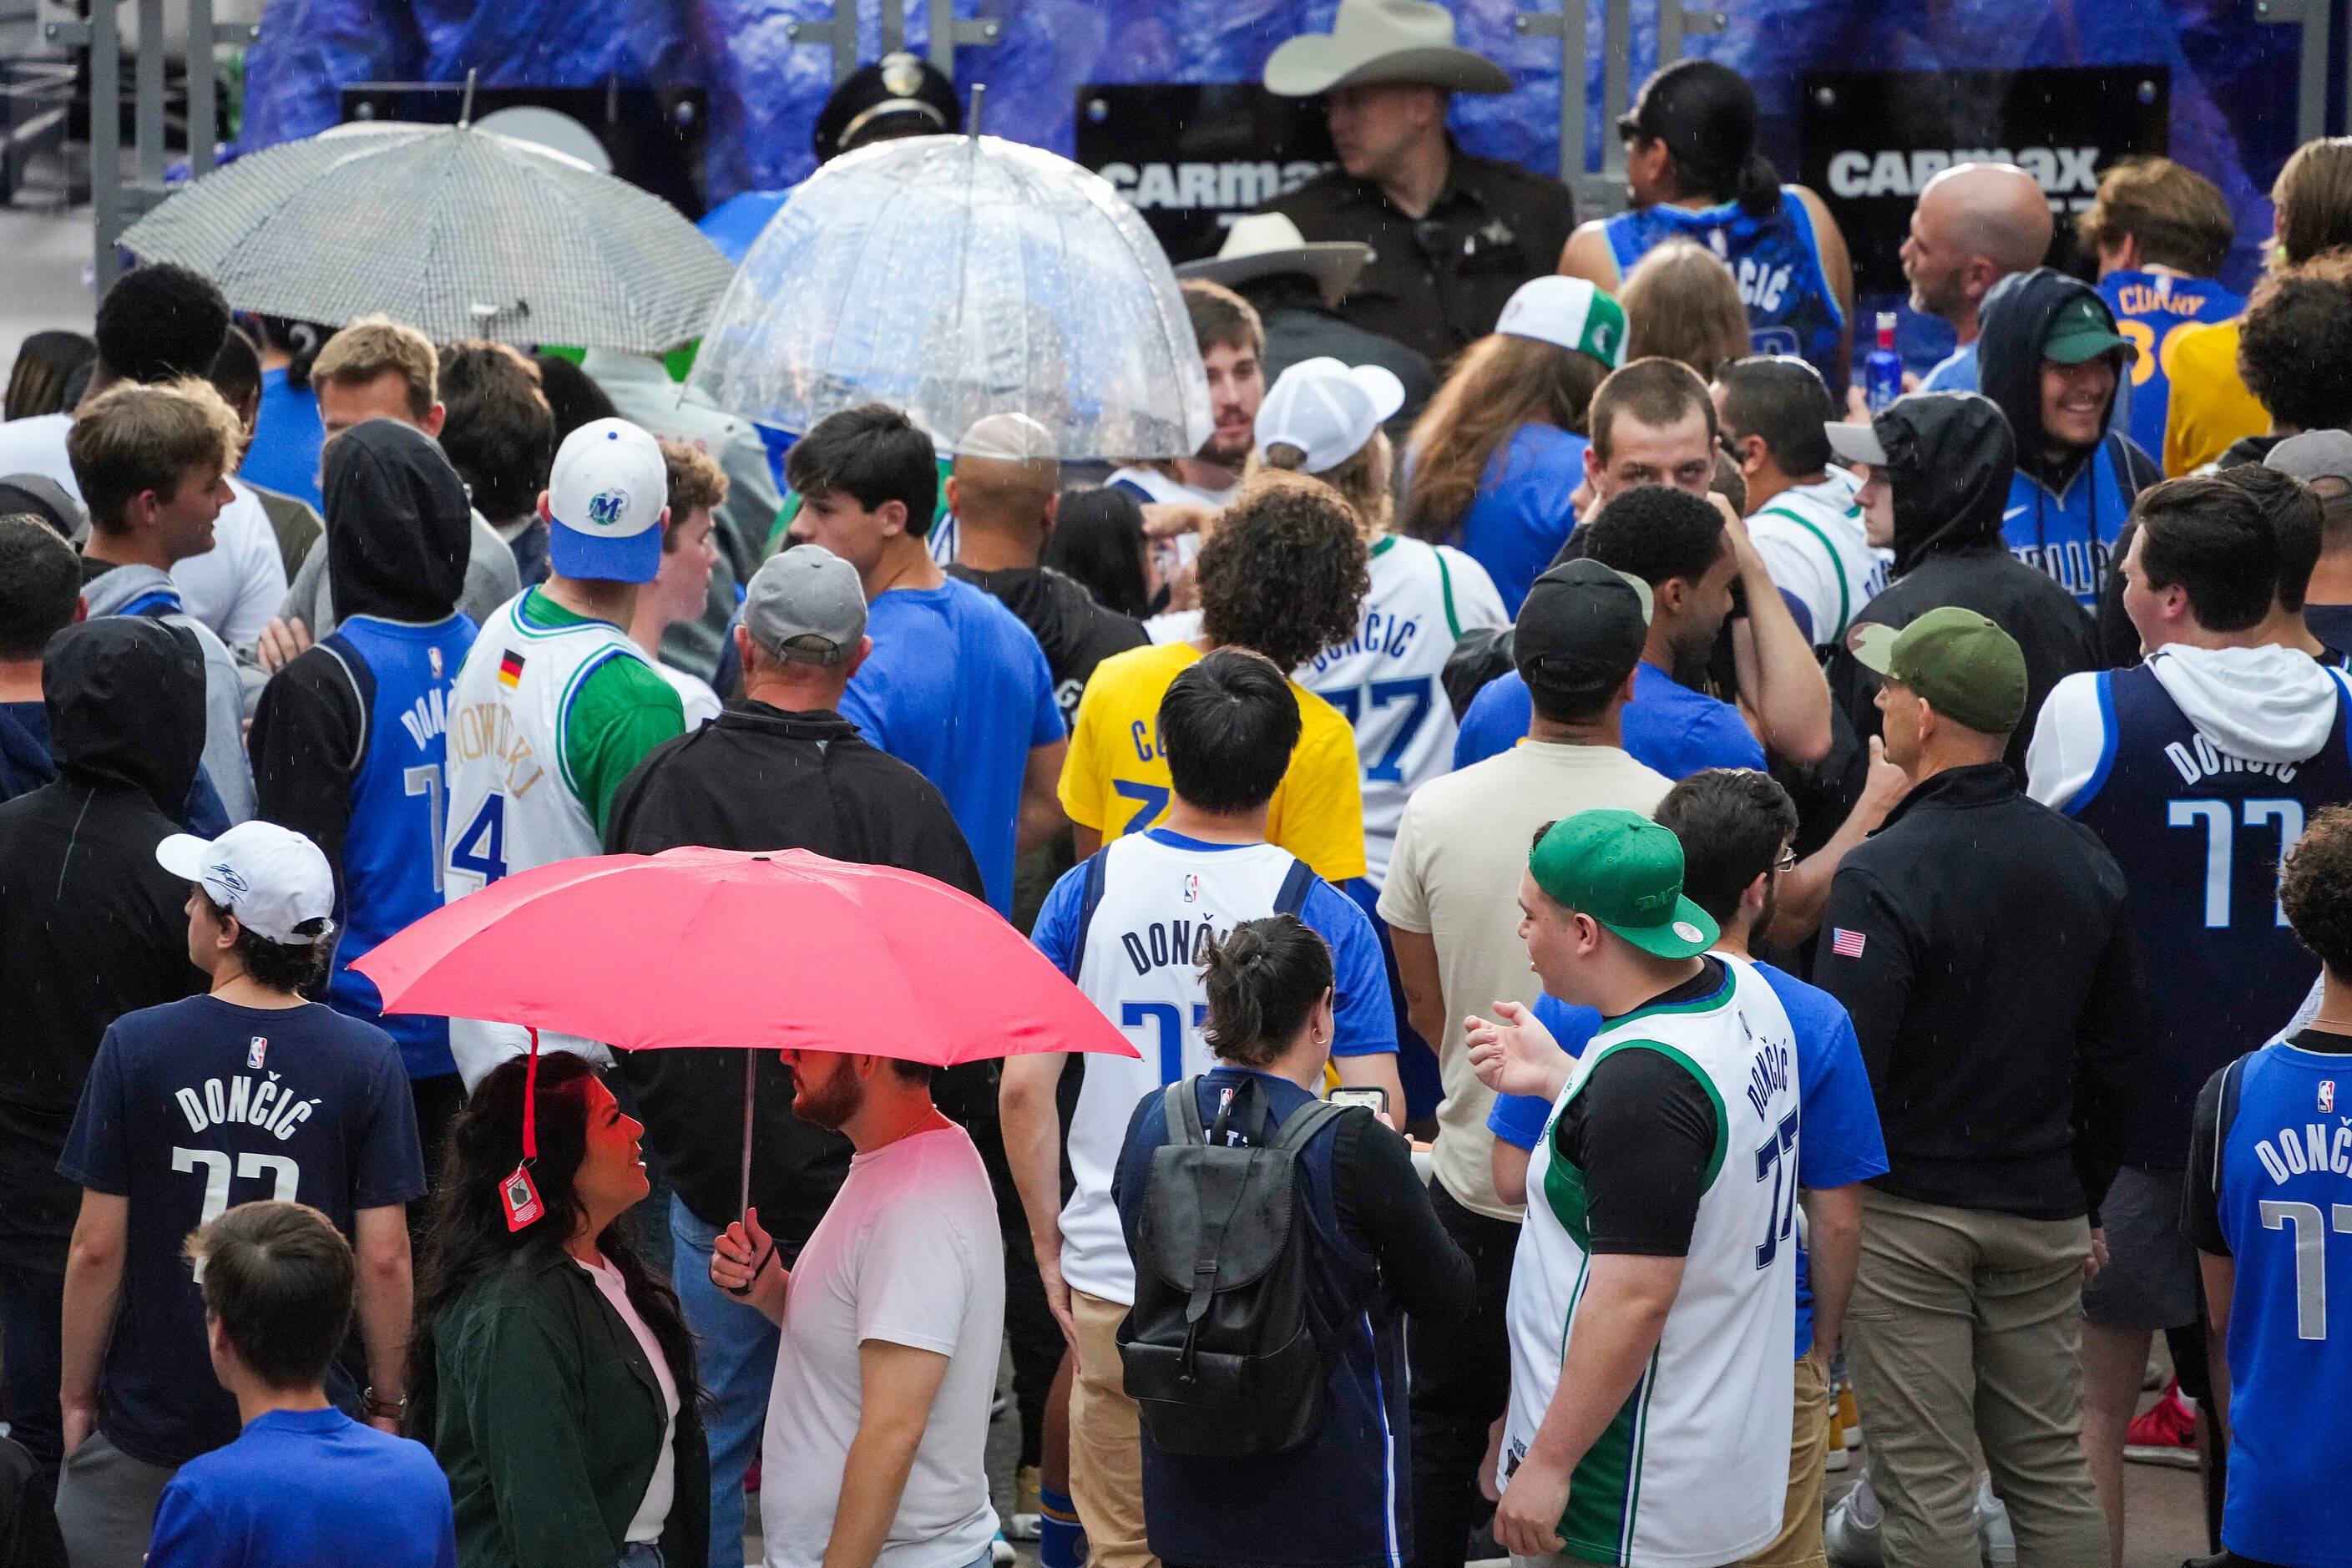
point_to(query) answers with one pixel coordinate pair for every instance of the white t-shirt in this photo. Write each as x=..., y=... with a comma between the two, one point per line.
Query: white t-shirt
x=653, y=1511
x=233, y=587
x=237, y=586
x=1455, y=879
x=694, y=694
x=909, y=1253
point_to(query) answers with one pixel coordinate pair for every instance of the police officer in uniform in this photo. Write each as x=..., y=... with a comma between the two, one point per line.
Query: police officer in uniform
x=1452, y=235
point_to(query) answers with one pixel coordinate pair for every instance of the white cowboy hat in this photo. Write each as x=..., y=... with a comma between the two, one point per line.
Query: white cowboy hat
x=1266, y=245
x=1382, y=40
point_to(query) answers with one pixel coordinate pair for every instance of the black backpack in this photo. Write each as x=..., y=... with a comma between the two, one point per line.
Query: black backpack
x=1219, y=1355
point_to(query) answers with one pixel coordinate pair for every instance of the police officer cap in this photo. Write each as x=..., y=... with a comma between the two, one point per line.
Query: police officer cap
x=898, y=95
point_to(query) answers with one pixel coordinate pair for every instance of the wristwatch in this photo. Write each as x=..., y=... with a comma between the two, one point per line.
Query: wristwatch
x=383, y=1409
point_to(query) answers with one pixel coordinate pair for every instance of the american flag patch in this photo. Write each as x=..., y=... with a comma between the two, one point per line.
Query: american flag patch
x=1845, y=944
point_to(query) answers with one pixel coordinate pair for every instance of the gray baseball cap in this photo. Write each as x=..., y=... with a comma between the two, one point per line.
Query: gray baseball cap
x=2314, y=455
x=806, y=605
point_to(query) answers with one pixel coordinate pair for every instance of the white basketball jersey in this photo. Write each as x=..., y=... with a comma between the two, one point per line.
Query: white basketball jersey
x=513, y=804
x=1692, y=1471
x=1160, y=906
x=1388, y=680
x=1815, y=543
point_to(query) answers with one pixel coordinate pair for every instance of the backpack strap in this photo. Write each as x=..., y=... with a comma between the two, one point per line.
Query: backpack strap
x=1295, y=888
x=1306, y=1124
x=1181, y=1103
x=1090, y=896
x=2225, y=1114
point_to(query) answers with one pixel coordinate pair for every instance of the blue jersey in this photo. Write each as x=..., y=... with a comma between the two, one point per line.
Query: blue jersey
x=1775, y=260
x=2069, y=533
x=393, y=848
x=2150, y=307
x=2281, y=1177
x=2200, y=835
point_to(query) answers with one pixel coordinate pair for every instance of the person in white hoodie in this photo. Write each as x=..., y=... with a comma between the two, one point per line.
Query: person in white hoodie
x=2198, y=768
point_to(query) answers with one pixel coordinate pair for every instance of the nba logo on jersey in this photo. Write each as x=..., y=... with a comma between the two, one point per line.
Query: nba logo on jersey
x=2327, y=1094
x=433, y=657
x=1191, y=889
x=259, y=1048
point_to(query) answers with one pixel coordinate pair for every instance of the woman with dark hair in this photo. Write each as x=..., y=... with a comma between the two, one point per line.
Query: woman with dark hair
x=1694, y=173
x=574, y=396
x=552, y=1374
x=50, y=371
x=1375, y=1253
x=1098, y=540
x=1499, y=452
x=284, y=455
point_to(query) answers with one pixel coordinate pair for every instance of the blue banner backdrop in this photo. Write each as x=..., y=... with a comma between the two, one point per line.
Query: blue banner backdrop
x=2232, y=77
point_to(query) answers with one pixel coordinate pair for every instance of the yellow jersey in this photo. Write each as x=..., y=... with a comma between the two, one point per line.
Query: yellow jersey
x=1116, y=783
x=2210, y=407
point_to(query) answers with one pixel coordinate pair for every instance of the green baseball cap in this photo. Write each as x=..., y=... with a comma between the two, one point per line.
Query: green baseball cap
x=1626, y=872
x=1966, y=668
x=2083, y=329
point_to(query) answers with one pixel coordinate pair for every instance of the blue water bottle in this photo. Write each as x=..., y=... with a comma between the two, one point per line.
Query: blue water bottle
x=1881, y=373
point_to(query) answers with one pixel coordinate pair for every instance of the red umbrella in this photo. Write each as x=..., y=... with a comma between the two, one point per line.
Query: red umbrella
x=717, y=947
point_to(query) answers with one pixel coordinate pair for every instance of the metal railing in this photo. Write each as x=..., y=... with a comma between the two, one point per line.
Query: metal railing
x=117, y=202
x=949, y=32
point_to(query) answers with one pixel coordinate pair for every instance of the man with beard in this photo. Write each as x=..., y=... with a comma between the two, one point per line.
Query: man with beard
x=1232, y=351
x=1974, y=225
x=890, y=1325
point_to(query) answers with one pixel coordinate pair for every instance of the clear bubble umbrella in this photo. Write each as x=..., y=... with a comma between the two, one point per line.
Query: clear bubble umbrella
x=457, y=231
x=954, y=278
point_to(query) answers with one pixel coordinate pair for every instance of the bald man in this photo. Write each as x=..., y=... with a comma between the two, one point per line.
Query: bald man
x=1005, y=490
x=1974, y=225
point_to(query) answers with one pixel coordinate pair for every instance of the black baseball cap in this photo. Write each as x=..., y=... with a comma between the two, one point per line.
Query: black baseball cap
x=898, y=95
x=1581, y=628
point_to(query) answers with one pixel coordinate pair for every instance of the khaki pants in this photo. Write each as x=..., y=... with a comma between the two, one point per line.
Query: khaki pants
x=1105, y=1442
x=1967, y=1324
x=1799, y=1544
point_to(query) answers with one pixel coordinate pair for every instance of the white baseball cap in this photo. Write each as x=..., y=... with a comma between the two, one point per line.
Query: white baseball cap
x=605, y=497
x=1568, y=313
x=272, y=878
x=1327, y=410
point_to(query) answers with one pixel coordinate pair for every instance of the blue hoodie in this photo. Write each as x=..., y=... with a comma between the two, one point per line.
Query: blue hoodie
x=2061, y=519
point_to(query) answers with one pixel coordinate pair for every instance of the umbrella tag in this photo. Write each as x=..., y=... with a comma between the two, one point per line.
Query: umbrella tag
x=520, y=1196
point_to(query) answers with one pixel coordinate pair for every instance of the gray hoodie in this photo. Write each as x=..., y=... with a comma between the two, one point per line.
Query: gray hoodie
x=108, y=592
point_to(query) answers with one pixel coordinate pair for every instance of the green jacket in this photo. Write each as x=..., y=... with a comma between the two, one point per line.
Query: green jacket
x=549, y=1421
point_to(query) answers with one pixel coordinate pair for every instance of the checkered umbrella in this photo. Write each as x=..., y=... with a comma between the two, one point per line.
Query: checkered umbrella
x=459, y=232
x=955, y=278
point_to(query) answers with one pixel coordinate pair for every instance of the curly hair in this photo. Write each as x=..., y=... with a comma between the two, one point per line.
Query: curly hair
x=2316, y=888
x=2295, y=351
x=1285, y=572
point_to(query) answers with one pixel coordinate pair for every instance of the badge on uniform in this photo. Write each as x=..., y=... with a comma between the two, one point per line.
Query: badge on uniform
x=259, y=1047
x=1191, y=888
x=2326, y=1094
x=520, y=1196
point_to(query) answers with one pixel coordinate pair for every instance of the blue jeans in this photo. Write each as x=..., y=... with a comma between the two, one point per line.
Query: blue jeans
x=735, y=1356
x=644, y=1555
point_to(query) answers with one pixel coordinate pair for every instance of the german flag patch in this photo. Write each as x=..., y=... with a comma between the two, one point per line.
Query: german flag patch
x=510, y=670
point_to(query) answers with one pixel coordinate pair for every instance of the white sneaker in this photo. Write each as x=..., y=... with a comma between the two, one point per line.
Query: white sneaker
x=1996, y=1540
x=1850, y=1531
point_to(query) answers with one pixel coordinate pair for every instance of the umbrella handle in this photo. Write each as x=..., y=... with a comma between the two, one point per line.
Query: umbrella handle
x=750, y=1088
x=757, y=1269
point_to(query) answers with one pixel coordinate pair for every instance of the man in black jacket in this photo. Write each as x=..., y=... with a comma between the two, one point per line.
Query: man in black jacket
x=1982, y=944
x=778, y=768
x=90, y=928
x=1938, y=467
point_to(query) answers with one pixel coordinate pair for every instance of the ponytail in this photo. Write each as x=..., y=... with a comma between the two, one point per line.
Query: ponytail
x=1706, y=114
x=301, y=342
x=1760, y=185
x=1263, y=980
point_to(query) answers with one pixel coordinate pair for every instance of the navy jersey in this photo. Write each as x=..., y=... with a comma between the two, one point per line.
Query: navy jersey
x=1775, y=260
x=2275, y=1140
x=393, y=848
x=2200, y=834
x=2070, y=534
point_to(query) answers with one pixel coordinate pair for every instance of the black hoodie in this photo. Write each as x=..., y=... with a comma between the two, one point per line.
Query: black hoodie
x=90, y=926
x=399, y=529
x=1950, y=458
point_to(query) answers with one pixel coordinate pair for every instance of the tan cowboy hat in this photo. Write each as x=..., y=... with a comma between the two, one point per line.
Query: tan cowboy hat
x=1267, y=245
x=1382, y=40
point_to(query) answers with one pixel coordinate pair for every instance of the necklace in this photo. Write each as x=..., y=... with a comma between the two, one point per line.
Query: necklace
x=2333, y=1026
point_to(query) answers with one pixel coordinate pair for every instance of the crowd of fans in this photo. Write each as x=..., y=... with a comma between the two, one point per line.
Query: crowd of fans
x=1447, y=779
